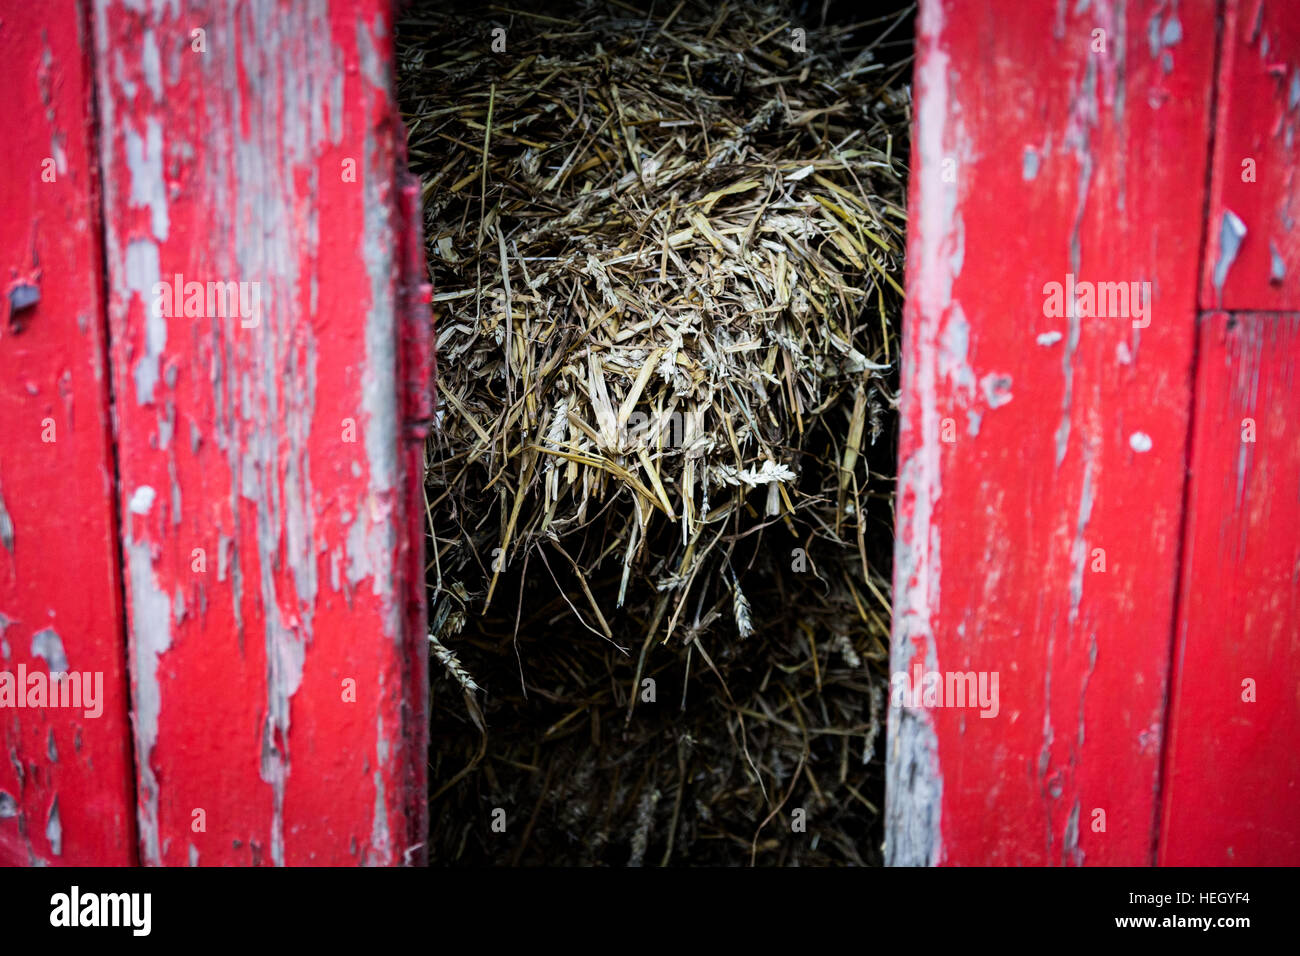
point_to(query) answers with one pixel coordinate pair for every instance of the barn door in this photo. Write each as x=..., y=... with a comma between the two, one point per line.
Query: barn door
x=253, y=237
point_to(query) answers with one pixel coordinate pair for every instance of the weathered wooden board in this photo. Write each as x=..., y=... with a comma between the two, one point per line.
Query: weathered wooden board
x=1253, y=259
x=1232, y=787
x=1043, y=455
x=65, y=772
x=278, y=682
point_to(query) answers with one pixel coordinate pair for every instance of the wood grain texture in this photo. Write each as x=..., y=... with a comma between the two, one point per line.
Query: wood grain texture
x=1037, y=448
x=65, y=773
x=1232, y=790
x=278, y=684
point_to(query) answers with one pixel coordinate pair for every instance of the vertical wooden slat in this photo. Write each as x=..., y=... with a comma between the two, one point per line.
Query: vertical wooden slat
x=1232, y=787
x=65, y=773
x=1232, y=770
x=277, y=683
x=1253, y=255
x=1042, y=455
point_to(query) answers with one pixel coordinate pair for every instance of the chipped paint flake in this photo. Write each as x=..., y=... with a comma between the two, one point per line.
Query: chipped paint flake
x=141, y=500
x=54, y=829
x=1277, y=267
x=6, y=527
x=997, y=389
x=47, y=645
x=151, y=634
x=1029, y=164
x=142, y=271
x=144, y=158
x=1079, y=551
x=1231, y=232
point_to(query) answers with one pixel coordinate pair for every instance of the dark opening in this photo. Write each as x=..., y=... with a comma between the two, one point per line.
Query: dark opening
x=700, y=208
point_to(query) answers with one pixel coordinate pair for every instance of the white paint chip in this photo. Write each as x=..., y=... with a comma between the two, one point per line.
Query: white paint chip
x=142, y=500
x=1049, y=338
x=1140, y=442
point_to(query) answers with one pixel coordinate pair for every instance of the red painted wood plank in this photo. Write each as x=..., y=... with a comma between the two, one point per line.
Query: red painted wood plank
x=1232, y=789
x=278, y=684
x=1254, y=245
x=65, y=773
x=1039, y=448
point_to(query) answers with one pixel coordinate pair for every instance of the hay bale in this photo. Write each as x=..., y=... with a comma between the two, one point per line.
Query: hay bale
x=667, y=255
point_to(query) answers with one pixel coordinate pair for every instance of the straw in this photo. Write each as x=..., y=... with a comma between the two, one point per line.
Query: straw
x=667, y=257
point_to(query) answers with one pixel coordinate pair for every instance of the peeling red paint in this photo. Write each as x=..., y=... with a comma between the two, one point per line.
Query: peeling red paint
x=1232, y=789
x=1066, y=435
x=65, y=777
x=1254, y=241
x=271, y=514
x=269, y=553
